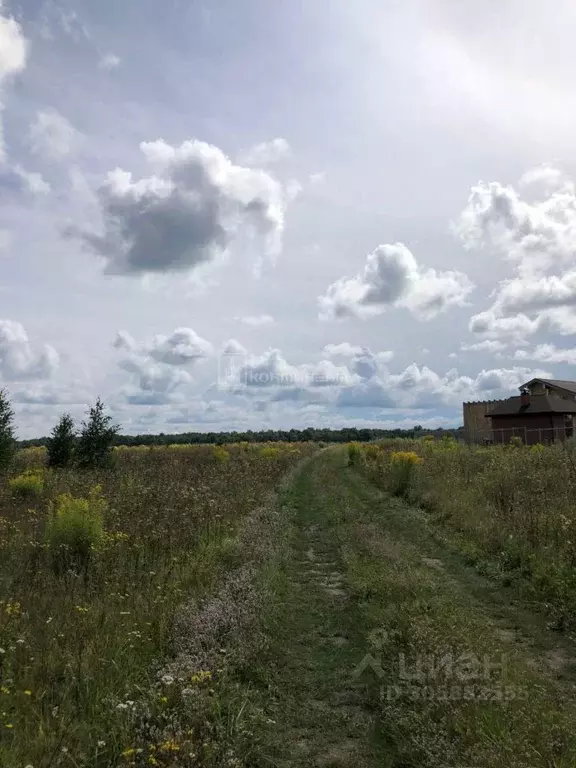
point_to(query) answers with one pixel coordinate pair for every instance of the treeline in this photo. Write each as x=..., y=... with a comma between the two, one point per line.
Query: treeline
x=346, y=435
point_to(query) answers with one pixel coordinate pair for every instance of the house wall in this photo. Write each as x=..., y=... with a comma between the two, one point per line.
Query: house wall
x=532, y=429
x=477, y=427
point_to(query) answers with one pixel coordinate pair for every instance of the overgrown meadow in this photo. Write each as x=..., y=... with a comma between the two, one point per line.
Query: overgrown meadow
x=511, y=509
x=98, y=567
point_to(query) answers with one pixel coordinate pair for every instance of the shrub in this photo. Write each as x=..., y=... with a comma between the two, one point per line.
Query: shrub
x=7, y=442
x=220, y=454
x=98, y=433
x=269, y=452
x=75, y=529
x=62, y=442
x=29, y=483
x=354, y=454
x=30, y=458
x=402, y=466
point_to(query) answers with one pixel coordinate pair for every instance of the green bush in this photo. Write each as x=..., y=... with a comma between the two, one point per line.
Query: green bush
x=402, y=468
x=75, y=529
x=354, y=454
x=28, y=484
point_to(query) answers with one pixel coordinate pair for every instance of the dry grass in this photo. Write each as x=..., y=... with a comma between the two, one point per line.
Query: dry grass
x=80, y=648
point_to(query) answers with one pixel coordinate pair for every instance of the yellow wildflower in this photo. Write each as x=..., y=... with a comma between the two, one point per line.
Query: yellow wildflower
x=202, y=676
x=407, y=457
x=169, y=746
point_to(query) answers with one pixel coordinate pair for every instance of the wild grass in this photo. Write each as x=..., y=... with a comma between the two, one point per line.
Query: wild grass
x=94, y=570
x=510, y=509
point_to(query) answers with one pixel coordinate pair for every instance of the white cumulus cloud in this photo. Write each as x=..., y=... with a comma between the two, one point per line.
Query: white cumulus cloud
x=188, y=212
x=20, y=360
x=548, y=353
x=13, y=54
x=538, y=235
x=393, y=278
x=161, y=365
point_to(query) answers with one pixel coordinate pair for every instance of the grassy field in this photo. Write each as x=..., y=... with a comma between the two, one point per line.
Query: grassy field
x=388, y=605
x=510, y=509
x=389, y=650
x=83, y=642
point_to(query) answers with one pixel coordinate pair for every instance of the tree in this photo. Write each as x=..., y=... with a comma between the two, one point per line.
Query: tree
x=62, y=443
x=96, y=438
x=7, y=441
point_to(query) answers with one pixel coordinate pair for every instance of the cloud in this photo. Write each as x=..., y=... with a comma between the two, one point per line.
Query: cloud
x=342, y=350
x=256, y=320
x=317, y=179
x=50, y=393
x=33, y=181
x=55, y=19
x=392, y=278
x=13, y=55
x=542, y=176
x=266, y=153
x=529, y=296
x=158, y=366
x=272, y=371
x=547, y=353
x=488, y=345
x=19, y=359
x=109, y=61
x=368, y=394
x=233, y=347
x=155, y=383
x=181, y=347
x=536, y=234
x=539, y=237
x=420, y=387
x=52, y=136
x=188, y=212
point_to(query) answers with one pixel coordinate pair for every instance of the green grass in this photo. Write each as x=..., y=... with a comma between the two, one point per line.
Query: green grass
x=510, y=508
x=220, y=625
x=407, y=600
x=81, y=640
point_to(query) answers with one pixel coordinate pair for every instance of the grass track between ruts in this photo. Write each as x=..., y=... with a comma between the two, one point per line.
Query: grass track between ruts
x=458, y=672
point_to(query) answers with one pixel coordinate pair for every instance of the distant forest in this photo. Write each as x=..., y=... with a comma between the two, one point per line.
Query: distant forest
x=346, y=435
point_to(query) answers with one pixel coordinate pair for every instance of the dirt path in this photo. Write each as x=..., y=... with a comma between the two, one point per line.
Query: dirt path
x=319, y=717
x=388, y=651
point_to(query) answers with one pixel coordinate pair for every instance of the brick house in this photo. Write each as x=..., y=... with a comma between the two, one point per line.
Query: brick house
x=540, y=414
x=558, y=387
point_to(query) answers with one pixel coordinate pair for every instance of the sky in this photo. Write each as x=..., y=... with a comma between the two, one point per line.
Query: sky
x=259, y=215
